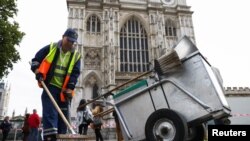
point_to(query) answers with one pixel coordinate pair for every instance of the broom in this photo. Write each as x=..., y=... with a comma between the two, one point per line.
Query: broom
x=65, y=137
x=167, y=63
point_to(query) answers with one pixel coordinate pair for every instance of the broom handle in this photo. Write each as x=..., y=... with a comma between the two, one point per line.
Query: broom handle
x=57, y=107
x=109, y=92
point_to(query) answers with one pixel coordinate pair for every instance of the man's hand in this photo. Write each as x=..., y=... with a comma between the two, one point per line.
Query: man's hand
x=39, y=77
x=68, y=94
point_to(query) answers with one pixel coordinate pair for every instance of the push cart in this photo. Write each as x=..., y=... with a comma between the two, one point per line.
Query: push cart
x=173, y=106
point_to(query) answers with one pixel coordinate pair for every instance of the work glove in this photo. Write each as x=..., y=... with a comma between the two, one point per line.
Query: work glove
x=67, y=95
x=39, y=77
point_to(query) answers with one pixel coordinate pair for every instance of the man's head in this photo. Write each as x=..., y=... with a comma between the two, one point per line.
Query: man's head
x=69, y=37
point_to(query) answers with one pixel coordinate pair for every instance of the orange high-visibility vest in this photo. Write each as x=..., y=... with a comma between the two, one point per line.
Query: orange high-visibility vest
x=46, y=64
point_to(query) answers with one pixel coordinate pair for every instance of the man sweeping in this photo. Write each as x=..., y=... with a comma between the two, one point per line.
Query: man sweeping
x=58, y=65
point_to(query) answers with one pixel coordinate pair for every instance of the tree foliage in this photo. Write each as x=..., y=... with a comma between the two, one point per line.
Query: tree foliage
x=10, y=36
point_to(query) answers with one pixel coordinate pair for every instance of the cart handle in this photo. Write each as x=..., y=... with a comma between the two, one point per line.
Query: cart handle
x=110, y=92
x=105, y=112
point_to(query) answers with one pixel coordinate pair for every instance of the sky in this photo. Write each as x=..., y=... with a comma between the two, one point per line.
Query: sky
x=221, y=30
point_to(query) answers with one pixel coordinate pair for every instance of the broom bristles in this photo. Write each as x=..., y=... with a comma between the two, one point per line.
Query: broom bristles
x=168, y=62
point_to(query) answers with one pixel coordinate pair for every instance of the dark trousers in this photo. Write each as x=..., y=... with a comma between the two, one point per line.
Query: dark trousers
x=98, y=134
x=25, y=136
x=34, y=134
x=84, y=127
x=52, y=122
x=5, y=135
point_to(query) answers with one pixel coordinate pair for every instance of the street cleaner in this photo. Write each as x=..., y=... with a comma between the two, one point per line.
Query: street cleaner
x=58, y=66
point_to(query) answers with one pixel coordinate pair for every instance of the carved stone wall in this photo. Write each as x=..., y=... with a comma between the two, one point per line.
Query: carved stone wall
x=100, y=51
x=238, y=99
x=4, y=99
x=92, y=58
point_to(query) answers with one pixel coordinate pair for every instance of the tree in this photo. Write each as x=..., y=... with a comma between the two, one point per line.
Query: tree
x=10, y=36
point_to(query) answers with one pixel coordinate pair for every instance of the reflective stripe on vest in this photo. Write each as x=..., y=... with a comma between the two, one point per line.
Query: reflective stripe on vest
x=46, y=64
x=74, y=59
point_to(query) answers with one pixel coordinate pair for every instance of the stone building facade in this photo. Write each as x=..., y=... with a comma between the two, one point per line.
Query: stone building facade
x=238, y=99
x=118, y=39
x=4, y=99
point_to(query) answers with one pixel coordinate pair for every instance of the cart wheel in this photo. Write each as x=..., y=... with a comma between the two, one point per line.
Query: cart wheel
x=165, y=125
x=196, y=133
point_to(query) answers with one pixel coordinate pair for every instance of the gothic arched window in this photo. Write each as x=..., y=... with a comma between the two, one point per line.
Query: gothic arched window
x=95, y=91
x=134, y=55
x=93, y=24
x=170, y=28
